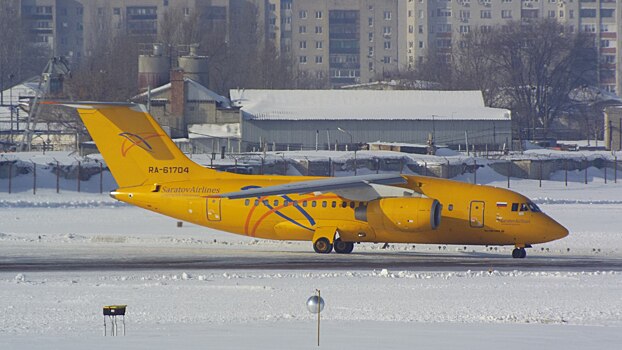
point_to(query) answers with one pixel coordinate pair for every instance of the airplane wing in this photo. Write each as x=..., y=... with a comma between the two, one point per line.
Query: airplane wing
x=358, y=188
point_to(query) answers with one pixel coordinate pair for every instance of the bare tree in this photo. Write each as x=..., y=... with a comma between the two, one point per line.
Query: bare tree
x=20, y=57
x=530, y=69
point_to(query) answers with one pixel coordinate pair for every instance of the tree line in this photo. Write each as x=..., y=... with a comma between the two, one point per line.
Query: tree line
x=531, y=70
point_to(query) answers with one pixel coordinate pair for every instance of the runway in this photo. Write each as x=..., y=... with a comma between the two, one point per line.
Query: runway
x=245, y=259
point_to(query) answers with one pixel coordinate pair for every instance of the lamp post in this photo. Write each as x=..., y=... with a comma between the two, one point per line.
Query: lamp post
x=353, y=145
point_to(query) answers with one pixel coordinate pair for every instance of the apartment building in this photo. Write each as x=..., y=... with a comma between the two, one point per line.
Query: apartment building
x=438, y=25
x=340, y=41
x=70, y=27
x=337, y=41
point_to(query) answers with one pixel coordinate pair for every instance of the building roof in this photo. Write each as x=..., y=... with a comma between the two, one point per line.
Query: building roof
x=364, y=105
x=195, y=92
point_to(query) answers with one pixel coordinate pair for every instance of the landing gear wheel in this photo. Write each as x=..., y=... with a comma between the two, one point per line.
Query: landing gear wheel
x=342, y=247
x=322, y=246
x=519, y=253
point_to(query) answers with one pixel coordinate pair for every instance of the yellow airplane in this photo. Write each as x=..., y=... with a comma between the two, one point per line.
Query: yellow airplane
x=333, y=213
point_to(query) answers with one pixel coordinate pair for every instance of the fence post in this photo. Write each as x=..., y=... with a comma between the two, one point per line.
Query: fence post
x=509, y=170
x=540, y=180
x=586, y=171
x=57, y=178
x=101, y=178
x=425, y=171
x=78, y=177
x=10, y=176
x=615, y=170
x=566, y=171
x=34, y=177
x=475, y=172
x=605, y=171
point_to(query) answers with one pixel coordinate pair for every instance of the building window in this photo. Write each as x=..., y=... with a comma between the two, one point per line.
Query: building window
x=116, y=11
x=318, y=30
x=302, y=14
x=387, y=15
x=443, y=28
x=165, y=2
x=421, y=44
x=552, y=14
x=370, y=21
x=420, y=30
x=302, y=29
x=302, y=59
x=587, y=13
x=318, y=45
x=465, y=29
x=387, y=45
x=485, y=14
x=386, y=31
x=506, y=13
x=186, y=11
x=386, y=59
x=303, y=44
x=371, y=37
x=589, y=28
x=606, y=13
x=318, y=14
x=318, y=59
x=571, y=13
x=443, y=12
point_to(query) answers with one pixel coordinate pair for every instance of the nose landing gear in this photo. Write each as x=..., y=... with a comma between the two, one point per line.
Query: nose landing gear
x=519, y=253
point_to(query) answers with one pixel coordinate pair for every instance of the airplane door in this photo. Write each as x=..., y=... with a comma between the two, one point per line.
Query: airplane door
x=213, y=209
x=476, y=214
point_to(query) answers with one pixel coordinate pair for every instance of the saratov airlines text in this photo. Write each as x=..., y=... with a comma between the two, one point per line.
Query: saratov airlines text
x=192, y=189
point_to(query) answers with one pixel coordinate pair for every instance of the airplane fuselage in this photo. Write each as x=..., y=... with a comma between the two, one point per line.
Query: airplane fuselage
x=471, y=214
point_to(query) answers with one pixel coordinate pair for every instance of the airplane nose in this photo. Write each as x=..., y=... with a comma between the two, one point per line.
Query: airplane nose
x=557, y=231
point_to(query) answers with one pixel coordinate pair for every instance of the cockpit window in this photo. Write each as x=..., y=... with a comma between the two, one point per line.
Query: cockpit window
x=534, y=207
x=524, y=207
x=514, y=206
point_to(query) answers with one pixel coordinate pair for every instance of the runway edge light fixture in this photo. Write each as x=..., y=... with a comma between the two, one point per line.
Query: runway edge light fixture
x=315, y=305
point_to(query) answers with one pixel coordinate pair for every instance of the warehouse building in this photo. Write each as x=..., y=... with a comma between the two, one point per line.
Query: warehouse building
x=343, y=119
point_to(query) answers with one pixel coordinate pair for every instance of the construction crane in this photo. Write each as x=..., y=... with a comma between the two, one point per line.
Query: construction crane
x=50, y=85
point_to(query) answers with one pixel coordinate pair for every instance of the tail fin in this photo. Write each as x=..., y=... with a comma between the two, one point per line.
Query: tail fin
x=135, y=147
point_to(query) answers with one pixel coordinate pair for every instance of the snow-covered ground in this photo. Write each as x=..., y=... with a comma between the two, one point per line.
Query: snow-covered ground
x=244, y=309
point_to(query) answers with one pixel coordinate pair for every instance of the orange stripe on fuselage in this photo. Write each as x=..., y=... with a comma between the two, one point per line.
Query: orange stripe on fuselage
x=274, y=210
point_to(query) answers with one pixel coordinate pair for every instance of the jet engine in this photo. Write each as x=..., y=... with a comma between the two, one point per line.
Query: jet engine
x=409, y=214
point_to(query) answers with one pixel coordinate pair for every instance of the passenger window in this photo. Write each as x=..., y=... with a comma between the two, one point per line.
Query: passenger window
x=304, y=204
x=247, y=202
x=324, y=204
x=276, y=202
x=334, y=204
x=523, y=207
x=514, y=206
x=450, y=207
x=344, y=204
x=256, y=202
x=313, y=204
x=352, y=204
x=265, y=202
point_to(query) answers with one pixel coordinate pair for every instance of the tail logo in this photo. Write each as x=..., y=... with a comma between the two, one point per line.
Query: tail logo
x=132, y=140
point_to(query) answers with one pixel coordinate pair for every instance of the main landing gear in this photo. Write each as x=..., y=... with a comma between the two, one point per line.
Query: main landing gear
x=519, y=253
x=342, y=247
x=323, y=246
